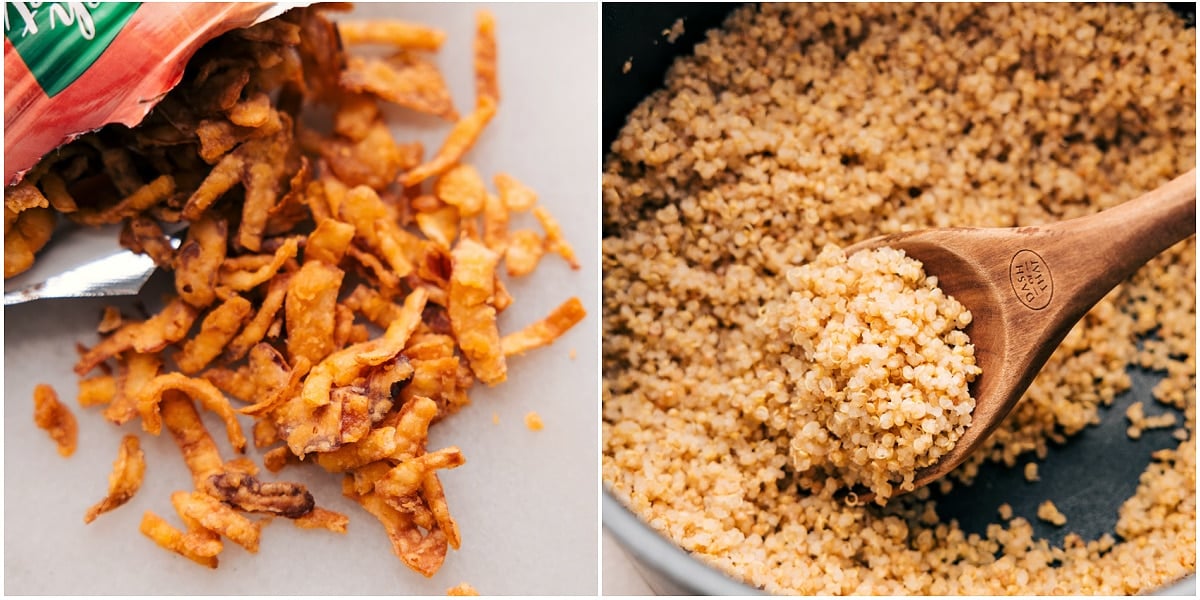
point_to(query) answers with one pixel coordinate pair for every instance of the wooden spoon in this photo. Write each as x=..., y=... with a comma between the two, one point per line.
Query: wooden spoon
x=1027, y=286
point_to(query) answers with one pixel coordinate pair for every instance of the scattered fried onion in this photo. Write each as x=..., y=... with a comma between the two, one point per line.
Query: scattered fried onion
x=462, y=589
x=199, y=452
x=284, y=215
x=110, y=320
x=396, y=33
x=320, y=518
x=524, y=251
x=97, y=390
x=555, y=242
x=150, y=335
x=463, y=188
x=125, y=479
x=219, y=518
x=422, y=552
x=466, y=131
x=472, y=317
x=545, y=331
x=25, y=233
x=170, y=538
x=199, y=261
x=309, y=310
x=145, y=197
x=406, y=79
x=408, y=476
x=55, y=418
x=200, y=390
x=516, y=196
x=243, y=491
x=135, y=371
x=216, y=331
x=487, y=85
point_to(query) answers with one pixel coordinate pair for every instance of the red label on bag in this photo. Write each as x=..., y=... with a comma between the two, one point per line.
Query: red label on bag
x=74, y=67
x=59, y=41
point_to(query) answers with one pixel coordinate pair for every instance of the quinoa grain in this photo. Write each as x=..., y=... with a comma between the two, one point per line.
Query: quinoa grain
x=1049, y=513
x=1031, y=472
x=855, y=419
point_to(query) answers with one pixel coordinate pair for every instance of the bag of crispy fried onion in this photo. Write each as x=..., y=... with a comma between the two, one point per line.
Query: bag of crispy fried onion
x=73, y=67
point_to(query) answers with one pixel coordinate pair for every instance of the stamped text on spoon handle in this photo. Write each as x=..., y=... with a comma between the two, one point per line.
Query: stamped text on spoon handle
x=1031, y=279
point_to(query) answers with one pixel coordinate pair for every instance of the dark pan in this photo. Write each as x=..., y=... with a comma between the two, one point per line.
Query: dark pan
x=1088, y=477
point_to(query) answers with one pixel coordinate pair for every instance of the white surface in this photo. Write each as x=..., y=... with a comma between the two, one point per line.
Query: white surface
x=526, y=501
x=618, y=575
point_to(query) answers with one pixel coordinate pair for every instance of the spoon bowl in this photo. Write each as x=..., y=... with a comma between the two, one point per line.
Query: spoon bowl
x=1026, y=287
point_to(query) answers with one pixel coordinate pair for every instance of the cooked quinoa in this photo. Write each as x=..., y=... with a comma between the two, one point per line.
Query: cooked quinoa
x=1049, y=513
x=878, y=368
x=799, y=126
x=1031, y=472
x=1139, y=422
x=675, y=32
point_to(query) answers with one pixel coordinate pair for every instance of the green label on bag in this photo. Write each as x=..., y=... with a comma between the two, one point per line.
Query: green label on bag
x=58, y=41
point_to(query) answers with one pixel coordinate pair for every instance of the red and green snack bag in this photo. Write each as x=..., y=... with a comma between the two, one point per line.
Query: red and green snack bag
x=73, y=67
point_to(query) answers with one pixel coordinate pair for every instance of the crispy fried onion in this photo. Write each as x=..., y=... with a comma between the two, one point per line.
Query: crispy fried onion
x=424, y=552
x=151, y=335
x=243, y=491
x=321, y=518
x=462, y=589
x=55, y=418
x=201, y=390
x=542, y=332
x=331, y=410
x=284, y=215
x=407, y=498
x=97, y=390
x=215, y=516
x=133, y=372
x=346, y=418
x=393, y=478
x=419, y=534
x=212, y=476
x=197, y=548
x=472, y=310
x=125, y=479
x=405, y=437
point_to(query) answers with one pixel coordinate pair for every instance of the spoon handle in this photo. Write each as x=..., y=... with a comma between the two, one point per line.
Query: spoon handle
x=1060, y=271
x=1095, y=253
x=1027, y=287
